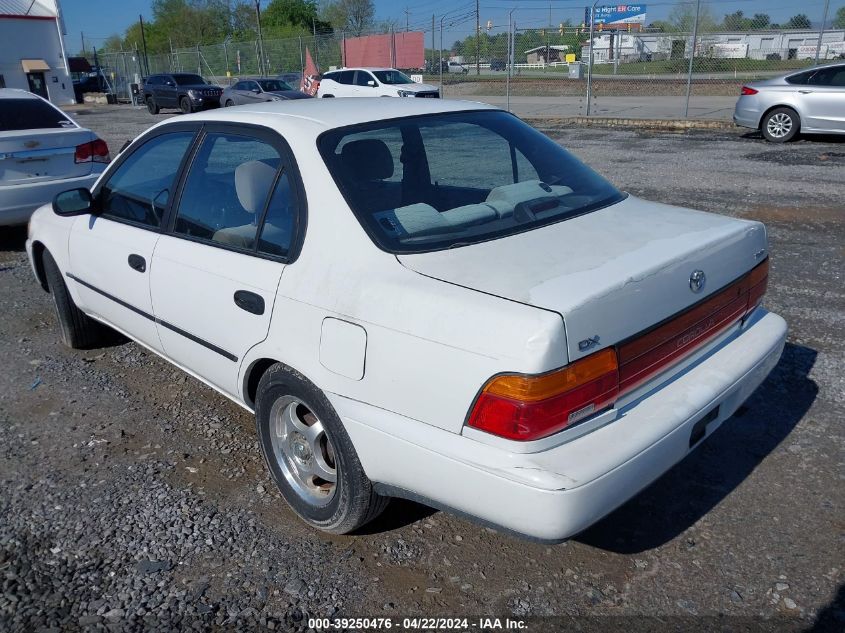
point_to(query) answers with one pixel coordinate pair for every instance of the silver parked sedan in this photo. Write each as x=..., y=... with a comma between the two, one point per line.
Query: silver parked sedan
x=808, y=101
x=259, y=90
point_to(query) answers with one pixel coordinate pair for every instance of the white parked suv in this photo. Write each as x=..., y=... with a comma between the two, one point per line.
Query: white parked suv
x=372, y=82
x=425, y=299
x=42, y=152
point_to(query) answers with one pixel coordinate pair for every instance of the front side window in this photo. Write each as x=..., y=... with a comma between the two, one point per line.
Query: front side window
x=362, y=77
x=273, y=85
x=438, y=181
x=139, y=189
x=226, y=190
x=392, y=77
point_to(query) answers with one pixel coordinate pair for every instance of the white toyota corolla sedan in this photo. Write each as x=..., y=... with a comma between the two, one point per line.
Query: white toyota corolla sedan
x=419, y=298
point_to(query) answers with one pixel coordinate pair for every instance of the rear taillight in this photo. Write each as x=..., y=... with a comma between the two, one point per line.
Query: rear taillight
x=96, y=151
x=530, y=407
x=758, y=281
x=525, y=407
x=747, y=91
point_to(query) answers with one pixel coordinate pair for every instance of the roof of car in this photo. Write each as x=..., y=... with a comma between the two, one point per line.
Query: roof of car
x=333, y=113
x=364, y=68
x=16, y=93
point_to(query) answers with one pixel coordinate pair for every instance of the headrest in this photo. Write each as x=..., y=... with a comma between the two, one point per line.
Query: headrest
x=367, y=159
x=253, y=180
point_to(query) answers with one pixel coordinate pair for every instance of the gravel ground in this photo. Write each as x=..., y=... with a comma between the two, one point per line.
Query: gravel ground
x=135, y=498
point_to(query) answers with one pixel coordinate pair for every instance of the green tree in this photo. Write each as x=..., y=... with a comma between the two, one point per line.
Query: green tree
x=682, y=19
x=761, y=21
x=799, y=21
x=283, y=14
x=352, y=16
x=839, y=18
x=736, y=22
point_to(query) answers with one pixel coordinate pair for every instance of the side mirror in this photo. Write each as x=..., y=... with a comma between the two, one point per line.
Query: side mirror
x=73, y=202
x=371, y=83
x=169, y=83
x=256, y=90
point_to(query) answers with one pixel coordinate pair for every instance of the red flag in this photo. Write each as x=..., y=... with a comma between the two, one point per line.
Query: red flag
x=311, y=76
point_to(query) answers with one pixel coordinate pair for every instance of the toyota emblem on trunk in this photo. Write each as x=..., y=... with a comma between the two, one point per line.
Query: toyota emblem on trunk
x=696, y=280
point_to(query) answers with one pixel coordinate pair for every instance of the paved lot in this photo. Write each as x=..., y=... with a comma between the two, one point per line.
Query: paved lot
x=132, y=496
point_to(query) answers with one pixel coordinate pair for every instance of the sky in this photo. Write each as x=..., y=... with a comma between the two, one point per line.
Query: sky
x=100, y=18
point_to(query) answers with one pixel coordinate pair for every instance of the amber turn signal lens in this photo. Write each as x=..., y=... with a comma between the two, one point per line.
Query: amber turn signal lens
x=533, y=388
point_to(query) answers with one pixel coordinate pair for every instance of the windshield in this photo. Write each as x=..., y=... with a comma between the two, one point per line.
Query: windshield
x=30, y=114
x=189, y=80
x=434, y=182
x=273, y=85
x=392, y=77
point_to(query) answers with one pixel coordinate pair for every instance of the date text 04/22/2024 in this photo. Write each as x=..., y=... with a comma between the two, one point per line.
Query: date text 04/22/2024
x=418, y=623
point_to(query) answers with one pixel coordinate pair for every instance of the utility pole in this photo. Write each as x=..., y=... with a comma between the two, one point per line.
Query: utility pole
x=477, y=38
x=144, y=42
x=314, y=32
x=433, y=57
x=691, y=56
x=83, y=42
x=260, y=39
x=407, y=20
x=821, y=31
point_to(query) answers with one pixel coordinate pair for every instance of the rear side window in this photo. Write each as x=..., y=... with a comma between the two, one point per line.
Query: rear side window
x=30, y=114
x=829, y=77
x=138, y=190
x=226, y=190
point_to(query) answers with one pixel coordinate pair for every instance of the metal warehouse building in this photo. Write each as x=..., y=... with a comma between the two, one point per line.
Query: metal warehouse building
x=797, y=44
x=32, y=54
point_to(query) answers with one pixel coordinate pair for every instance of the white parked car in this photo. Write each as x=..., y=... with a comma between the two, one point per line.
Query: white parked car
x=372, y=82
x=423, y=299
x=42, y=152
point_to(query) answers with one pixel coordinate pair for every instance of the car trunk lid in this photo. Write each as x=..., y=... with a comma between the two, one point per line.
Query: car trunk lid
x=613, y=273
x=45, y=154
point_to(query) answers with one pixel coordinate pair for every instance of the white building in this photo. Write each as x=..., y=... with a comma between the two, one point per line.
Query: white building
x=32, y=55
x=797, y=44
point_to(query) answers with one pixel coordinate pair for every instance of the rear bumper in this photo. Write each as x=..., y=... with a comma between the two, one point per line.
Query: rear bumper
x=748, y=112
x=18, y=202
x=556, y=493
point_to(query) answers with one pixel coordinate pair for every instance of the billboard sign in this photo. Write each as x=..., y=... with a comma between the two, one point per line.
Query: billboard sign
x=617, y=14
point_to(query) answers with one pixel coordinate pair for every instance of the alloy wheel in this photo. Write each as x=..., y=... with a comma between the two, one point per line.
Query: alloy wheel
x=303, y=451
x=779, y=125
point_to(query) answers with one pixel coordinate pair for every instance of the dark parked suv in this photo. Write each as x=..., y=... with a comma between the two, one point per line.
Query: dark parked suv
x=185, y=91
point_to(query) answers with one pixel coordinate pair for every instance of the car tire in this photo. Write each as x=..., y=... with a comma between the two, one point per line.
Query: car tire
x=780, y=125
x=152, y=106
x=229, y=103
x=185, y=105
x=302, y=438
x=79, y=331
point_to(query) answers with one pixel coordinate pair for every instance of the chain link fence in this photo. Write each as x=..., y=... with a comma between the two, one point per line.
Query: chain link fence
x=565, y=63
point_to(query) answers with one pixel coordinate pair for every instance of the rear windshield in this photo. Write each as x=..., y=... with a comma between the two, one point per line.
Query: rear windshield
x=30, y=114
x=434, y=182
x=189, y=80
x=392, y=77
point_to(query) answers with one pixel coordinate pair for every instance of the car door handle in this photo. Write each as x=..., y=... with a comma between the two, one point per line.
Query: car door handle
x=249, y=301
x=137, y=262
x=806, y=92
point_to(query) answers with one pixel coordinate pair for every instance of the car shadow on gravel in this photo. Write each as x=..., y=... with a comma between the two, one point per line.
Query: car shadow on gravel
x=398, y=514
x=801, y=139
x=13, y=238
x=709, y=474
